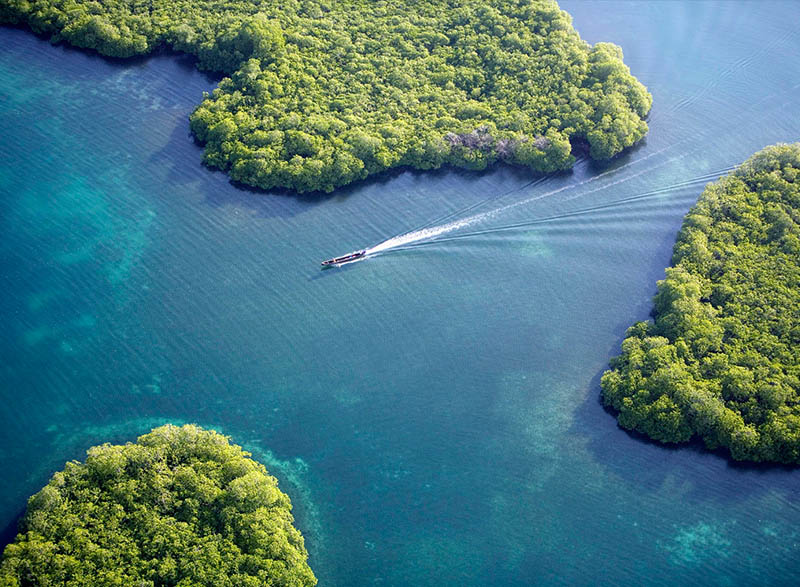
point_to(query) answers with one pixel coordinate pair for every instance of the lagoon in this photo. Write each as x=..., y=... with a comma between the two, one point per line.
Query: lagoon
x=432, y=411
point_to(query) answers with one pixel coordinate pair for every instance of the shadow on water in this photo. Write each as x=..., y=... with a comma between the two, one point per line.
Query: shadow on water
x=625, y=157
x=332, y=271
x=623, y=452
x=185, y=61
x=648, y=464
x=715, y=476
x=265, y=203
x=8, y=533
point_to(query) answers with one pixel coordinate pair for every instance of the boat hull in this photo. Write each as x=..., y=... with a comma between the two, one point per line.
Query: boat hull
x=349, y=258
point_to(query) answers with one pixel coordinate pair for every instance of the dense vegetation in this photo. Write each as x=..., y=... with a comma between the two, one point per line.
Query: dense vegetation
x=321, y=94
x=182, y=506
x=722, y=359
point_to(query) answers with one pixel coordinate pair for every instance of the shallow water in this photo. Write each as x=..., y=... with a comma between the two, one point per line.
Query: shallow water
x=432, y=411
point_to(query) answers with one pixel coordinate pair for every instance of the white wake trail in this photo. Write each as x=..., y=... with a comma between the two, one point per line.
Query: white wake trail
x=435, y=231
x=423, y=234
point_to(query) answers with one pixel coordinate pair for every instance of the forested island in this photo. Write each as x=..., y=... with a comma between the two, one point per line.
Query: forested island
x=721, y=360
x=320, y=94
x=181, y=506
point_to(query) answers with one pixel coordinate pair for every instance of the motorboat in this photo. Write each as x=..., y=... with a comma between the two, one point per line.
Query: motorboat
x=337, y=261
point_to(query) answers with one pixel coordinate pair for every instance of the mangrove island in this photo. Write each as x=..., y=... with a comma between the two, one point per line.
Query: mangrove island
x=181, y=506
x=720, y=362
x=318, y=94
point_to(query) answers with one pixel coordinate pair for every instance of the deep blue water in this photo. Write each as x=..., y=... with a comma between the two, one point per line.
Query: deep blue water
x=432, y=412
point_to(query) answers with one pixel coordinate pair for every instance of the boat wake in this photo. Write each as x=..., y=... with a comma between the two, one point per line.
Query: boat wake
x=432, y=233
x=591, y=210
x=423, y=234
x=439, y=229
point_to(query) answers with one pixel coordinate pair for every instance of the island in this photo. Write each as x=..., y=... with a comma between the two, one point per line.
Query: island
x=181, y=506
x=319, y=94
x=721, y=359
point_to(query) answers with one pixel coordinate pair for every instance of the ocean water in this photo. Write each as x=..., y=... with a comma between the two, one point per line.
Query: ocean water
x=432, y=410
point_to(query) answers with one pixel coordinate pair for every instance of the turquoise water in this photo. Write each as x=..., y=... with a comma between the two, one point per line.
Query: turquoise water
x=433, y=410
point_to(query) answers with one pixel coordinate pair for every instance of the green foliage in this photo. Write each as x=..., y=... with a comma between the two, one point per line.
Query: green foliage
x=722, y=359
x=320, y=95
x=181, y=507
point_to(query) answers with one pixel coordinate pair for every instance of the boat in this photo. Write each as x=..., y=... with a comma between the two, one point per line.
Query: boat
x=336, y=261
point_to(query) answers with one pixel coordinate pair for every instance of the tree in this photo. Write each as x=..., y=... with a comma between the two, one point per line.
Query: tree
x=181, y=506
x=515, y=76
x=720, y=360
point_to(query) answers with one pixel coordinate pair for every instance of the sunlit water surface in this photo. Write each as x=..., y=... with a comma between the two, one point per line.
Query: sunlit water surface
x=432, y=410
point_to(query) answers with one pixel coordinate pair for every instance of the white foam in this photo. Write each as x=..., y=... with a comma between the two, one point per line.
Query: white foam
x=432, y=232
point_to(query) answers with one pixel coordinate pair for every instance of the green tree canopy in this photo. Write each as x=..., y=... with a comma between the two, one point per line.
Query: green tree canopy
x=321, y=94
x=721, y=361
x=181, y=506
